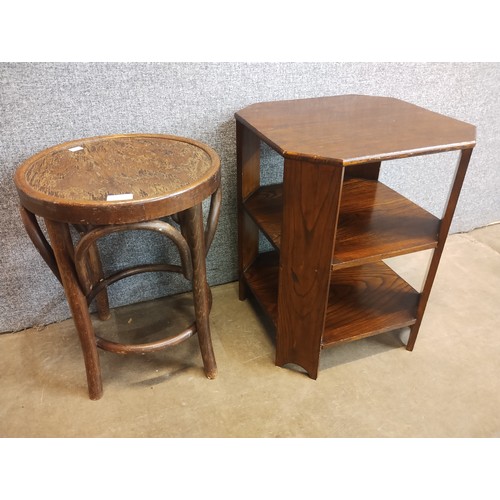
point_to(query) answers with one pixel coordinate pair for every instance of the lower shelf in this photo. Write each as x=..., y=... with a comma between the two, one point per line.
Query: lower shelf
x=364, y=300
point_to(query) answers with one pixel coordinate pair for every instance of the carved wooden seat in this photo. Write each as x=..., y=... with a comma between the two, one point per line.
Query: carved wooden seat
x=117, y=183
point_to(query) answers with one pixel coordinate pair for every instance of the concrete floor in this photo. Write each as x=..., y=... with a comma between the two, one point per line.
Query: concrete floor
x=449, y=386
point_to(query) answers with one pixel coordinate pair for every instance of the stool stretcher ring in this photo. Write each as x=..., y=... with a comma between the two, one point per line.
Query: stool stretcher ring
x=90, y=235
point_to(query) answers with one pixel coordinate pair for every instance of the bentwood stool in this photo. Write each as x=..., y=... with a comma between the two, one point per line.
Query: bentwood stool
x=117, y=183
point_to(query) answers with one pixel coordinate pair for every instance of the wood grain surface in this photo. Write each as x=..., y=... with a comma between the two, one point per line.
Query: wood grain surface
x=353, y=129
x=331, y=221
x=308, y=238
x=161, y=175
x=248, y=169
x=363, y=301
x=71, y=182
x=375, y=222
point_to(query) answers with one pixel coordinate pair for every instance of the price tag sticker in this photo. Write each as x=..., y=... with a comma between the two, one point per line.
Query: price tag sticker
x=120, y=197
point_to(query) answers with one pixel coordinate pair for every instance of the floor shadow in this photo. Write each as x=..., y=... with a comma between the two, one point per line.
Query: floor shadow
x=351, y=352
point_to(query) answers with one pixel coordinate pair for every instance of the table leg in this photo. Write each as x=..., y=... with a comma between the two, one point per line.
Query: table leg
x=63, y=250
x=438, y=251
x=248, y=164
x=311, y=199
x=192, y=220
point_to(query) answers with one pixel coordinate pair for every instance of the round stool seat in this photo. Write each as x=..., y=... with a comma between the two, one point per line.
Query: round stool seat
x=103, y=185
x=118, y=179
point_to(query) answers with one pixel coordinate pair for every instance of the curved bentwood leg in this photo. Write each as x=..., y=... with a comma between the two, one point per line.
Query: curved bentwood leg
x=95, y=275
x=102, y=300
x=213, y=218
x=38, y=239
x=192, y=221
x=63, y=251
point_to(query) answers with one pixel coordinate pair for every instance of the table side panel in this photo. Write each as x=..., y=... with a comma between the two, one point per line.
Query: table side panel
x=311, y=200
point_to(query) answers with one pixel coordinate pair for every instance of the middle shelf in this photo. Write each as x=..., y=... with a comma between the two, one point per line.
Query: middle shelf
x=375, y=222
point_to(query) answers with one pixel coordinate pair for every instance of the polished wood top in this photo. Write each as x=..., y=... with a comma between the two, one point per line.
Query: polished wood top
x=141, y=176
x=354, y=129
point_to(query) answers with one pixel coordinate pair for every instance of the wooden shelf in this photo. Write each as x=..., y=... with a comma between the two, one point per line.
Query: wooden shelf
x=365, y=300
x=262, y=278
x=375, y=222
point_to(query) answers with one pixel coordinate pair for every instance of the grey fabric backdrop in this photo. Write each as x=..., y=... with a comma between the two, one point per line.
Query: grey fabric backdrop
x=42, y=104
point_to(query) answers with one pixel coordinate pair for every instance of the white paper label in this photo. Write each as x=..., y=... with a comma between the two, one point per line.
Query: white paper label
x=76, y=148
x=120, y=197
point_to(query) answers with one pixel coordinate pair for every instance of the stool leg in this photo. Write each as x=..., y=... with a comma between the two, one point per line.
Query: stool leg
x=63, y=250
x=38, y=239
x=193, y=225
x=95, y=265
x=94, y=275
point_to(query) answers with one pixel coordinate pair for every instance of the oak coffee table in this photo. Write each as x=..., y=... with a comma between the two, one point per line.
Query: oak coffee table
x=332, y=222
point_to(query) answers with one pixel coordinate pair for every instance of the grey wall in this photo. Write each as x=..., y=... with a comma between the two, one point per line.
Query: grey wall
x=42, y=104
